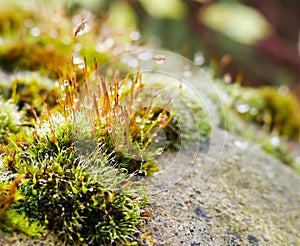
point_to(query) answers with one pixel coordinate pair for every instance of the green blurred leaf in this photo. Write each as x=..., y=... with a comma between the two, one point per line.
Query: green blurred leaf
x=239, y=22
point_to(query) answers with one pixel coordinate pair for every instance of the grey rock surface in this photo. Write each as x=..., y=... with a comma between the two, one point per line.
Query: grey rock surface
x=249, y=198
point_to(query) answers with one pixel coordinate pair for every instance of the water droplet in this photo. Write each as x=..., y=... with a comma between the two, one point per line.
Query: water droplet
x=243, y=108
x=128, y=47
x=76, y=99
x=227, y=78
x=81, y=66
x=283, y=90
x=67, y=108
x=138, y=119
x=144, y=56
x=133, y=63
x=67, y=40
x=77, y=47
x=187, y=71
x=109, y=42
x=81, y=28
x=78, y=60
x=53, y=33
x=159, y=151
x=199, y=59
x=35, y=31
x=100, y=47
x=66, y=82
x=134, y=36
x=253, y=111
x=159, y=59
x=242, y=145
x=275, y=141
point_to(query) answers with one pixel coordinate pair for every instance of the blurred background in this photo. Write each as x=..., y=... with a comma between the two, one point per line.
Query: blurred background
x=257, y=40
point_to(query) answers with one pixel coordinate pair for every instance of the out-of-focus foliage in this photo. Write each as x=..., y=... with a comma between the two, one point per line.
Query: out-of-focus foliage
x=172, y=9
x=239, y=22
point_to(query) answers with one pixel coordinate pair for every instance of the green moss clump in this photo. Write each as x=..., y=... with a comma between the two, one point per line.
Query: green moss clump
x=272, y=109
x=82, y=199
x=13, y=221
x=10, y=219
x=281, y=112
x=33, y=56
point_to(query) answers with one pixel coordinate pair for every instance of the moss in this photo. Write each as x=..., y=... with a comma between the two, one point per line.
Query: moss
x=83, y=200
x=105, y=201
x=12, y=221
x=33, y=56
x=281, y=112
x=10, y=119
x=78, y=175
x=272, y=108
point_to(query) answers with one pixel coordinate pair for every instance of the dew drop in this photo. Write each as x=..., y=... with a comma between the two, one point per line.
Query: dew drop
x=133, y=63
x=199, y=59
x=138, y=119
x=227, y=78
x=66, y=82
x=67, y=108
x=134, y=36
x=275, y=141
x=53, y=33
x=81, y=66
x=144, y=56
x=35, y=31
x=243, y=108
x=253, y=111
x=187, y=71
x=159, y=151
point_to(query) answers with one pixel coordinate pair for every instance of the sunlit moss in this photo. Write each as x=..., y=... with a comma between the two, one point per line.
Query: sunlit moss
x=10, y=119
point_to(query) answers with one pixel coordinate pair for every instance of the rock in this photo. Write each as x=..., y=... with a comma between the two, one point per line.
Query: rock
x=249, y=198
